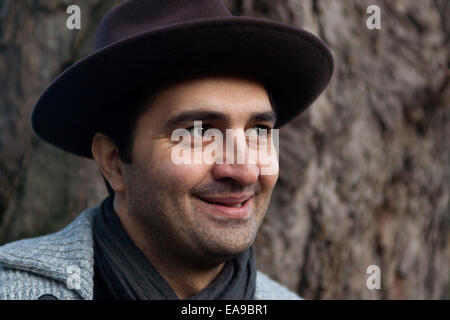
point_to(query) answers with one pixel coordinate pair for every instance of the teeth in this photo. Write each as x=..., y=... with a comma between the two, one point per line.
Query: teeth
x=237, y=205
x=233, y=205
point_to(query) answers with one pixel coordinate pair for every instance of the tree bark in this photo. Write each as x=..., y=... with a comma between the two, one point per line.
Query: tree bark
x=364, y=173
x=42, y=188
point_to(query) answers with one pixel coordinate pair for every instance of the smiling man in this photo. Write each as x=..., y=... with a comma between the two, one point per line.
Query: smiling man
x=185, y=218
x=169, y=230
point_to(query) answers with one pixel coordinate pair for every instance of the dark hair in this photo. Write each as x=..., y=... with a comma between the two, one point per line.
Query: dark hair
x=120, y=126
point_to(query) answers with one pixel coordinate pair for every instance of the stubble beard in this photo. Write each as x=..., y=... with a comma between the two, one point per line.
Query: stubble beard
x=194, y=237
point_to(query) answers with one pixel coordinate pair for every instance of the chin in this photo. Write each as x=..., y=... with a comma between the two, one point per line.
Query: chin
x=227, y=250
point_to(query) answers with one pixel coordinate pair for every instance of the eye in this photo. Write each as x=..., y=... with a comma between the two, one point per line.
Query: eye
x=198, y=131
x=259, y=130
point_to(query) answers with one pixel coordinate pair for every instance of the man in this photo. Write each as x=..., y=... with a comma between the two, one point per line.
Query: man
x=169, y=230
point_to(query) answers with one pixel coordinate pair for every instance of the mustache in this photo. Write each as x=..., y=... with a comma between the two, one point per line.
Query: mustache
x=226, y=187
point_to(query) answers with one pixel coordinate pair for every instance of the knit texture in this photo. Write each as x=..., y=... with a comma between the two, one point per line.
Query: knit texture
x=62, y=265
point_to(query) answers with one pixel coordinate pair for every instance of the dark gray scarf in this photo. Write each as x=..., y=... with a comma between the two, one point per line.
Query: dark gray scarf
x=129, y=275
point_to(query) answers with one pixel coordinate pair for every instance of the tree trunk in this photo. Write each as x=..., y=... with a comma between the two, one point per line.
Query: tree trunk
x=42, y=188
x=364, y=173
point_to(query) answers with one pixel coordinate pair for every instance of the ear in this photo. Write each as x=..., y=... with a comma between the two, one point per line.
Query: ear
x=107, y=157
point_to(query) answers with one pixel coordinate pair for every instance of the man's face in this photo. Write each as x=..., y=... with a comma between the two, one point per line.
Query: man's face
x=187, y=207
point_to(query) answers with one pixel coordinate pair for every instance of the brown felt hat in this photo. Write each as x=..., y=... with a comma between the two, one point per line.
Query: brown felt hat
x=141, y=42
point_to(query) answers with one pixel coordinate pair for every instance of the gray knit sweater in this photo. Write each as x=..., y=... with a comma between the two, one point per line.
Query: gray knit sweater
x=62, y=265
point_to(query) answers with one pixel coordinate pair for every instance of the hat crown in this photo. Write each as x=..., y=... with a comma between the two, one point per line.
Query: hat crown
x=134, y=17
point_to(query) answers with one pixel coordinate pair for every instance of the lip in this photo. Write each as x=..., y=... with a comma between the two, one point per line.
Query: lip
x=233, y=199
x=213, y=206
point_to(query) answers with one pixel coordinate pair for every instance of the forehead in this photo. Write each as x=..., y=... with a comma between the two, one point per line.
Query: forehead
x=236, y=97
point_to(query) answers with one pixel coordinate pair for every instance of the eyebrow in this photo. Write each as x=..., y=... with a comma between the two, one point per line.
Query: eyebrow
x=203, y=115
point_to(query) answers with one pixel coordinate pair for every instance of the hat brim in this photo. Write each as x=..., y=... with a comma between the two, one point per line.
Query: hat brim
x=293, y=62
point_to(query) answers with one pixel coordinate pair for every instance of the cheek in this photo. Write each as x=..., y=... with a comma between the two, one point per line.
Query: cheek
x=268, y=162
x=268, y=181
x=180, y=178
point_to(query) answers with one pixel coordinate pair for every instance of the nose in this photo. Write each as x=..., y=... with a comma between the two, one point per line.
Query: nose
x=244, y=174
x=240, y=168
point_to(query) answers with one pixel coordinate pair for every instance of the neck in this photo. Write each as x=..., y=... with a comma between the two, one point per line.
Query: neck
x=184, y=277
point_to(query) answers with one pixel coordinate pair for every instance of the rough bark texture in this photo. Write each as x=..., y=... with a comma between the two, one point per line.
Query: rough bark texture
x=364, y=174
x=42, y=188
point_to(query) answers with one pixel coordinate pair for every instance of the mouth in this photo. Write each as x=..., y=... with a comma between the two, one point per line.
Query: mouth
x=231, y=208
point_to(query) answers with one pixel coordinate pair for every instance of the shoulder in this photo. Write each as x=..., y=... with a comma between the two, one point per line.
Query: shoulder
x=17, y=284
x=33, y=267
x=47, y=252
x=268, y=289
